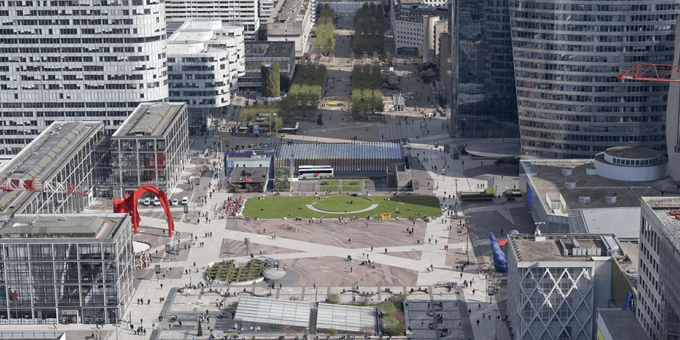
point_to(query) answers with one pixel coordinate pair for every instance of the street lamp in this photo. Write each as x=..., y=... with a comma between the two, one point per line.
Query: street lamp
x=467, y=244
x=495, y=330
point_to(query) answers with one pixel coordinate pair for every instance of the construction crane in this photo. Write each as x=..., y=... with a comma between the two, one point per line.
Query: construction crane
x=651, y=72
x=36, y=185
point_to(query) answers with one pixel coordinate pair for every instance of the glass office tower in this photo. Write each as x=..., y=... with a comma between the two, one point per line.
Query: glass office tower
x=566, y=58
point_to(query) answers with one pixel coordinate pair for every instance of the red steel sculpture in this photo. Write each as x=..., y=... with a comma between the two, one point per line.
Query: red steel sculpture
x=129, y=205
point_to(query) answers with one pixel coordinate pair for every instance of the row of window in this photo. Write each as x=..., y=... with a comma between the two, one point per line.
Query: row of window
x=646, y=129
x=590, y=8
x=588, y=138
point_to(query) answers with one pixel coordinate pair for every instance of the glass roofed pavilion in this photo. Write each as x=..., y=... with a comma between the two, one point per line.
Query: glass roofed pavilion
x=369, y=157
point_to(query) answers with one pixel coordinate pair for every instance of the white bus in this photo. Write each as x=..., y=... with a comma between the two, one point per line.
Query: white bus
x=314, y=171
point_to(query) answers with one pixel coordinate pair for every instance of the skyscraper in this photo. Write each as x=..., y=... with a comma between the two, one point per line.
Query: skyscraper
x=483, y=101
x=77, y=60
x=566, y=58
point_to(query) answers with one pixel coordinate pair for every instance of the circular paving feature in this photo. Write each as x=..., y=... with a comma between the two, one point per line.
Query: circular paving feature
x=342, y=203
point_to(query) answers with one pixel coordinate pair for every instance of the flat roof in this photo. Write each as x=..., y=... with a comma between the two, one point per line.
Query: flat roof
x=622, y=222
x=662, y=206
x=632, y=152
x=271, y=311
x=149, y=119
x=345, y=318
x=45, y=156
x=366, y=150
x=269, y=49
x=550, y=247
x=62, y=225
x=547, y=178
x=249, y=174
x=622, y=324
x=288, y=12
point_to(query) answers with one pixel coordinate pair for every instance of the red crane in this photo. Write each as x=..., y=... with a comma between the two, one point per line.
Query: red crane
x=12, y=184
x=651, y=72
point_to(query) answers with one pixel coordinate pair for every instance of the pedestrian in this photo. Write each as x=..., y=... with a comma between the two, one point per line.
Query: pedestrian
x=385, y=250
x=435, y=242
x=371, y=248
x=461, y=275
x=477, y=322
x=489, y=316
x=473, y=292
x=350, y=269
x=501, y=231
x=349, y=240
x=162, y=284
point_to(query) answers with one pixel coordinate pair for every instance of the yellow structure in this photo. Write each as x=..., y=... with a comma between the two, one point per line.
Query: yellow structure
x=385, y=216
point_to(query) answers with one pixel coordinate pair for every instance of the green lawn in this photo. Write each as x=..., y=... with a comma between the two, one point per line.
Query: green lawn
x=279, y=207
x=339, y=203
x=351, y=186
x=329, y=185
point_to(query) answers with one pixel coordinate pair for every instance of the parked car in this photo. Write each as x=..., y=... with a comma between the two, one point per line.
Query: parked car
x=147, y=201
x=156, y=201
x=185, y=200
x=174, y=202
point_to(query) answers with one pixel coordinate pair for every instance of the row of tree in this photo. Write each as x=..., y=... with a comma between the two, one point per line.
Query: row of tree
x=367, y=89
x=306, y=90
x=325, y=28
x=369, y=30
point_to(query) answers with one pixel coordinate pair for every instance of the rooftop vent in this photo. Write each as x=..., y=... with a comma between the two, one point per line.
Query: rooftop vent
x=610, y=199
x=584, y=199
x=571, y=185
x=566, y=172
x=139, y=133
x=591, y=171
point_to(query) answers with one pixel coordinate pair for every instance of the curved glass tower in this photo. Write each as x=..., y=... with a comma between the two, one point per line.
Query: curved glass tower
x=566, y=58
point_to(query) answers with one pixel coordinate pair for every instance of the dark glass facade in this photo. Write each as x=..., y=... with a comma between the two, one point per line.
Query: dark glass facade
x=483, y=89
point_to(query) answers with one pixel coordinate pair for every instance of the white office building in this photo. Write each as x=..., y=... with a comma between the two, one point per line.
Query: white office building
x=556, y=282
x=292, y=20
x=658, y=307
x=266, y=9
x=75, y=61
x=237, y=12
x=205, y=60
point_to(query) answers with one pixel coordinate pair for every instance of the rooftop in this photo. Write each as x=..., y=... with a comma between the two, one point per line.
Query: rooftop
x=366, y=150
x=275, y=49
x=632, y=152
x=622, y=222
x=201, y=35
x=249, y=175
x=288, y=10
x=622, y=325
x=44, y=156
x=149, y=119
x=662, y=207
x=549, y=180
x=99, y=226
x=553, y=247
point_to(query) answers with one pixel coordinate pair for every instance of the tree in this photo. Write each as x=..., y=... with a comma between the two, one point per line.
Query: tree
x=271, y=82
x=285, y=82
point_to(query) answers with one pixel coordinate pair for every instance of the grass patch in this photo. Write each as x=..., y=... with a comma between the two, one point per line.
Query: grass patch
x=351, y=188
x=280, y=206
x=329, y=185
x=339, y=203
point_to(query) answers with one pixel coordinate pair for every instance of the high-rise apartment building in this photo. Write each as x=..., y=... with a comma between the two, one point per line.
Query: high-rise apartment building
x=658, y=302
x=205, y=60
x=237, y=12
x=77, y=60
x=566, y=58
x=483, y=100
